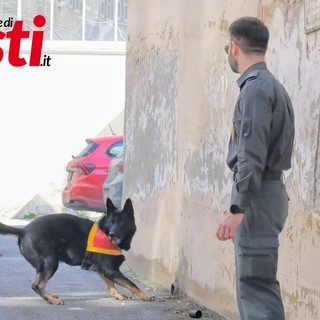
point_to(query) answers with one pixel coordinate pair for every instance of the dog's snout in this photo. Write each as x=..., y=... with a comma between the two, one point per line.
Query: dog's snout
x=114, y=238
x=113, y=233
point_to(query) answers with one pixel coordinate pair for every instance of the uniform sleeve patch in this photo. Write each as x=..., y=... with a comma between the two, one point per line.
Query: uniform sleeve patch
x=246, y=127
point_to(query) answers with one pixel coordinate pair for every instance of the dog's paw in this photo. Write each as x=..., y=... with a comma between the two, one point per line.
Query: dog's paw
x=55, y=301
x=148, y=298
x=121, y=297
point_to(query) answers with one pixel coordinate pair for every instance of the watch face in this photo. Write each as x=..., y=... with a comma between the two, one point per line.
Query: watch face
x=234, y=208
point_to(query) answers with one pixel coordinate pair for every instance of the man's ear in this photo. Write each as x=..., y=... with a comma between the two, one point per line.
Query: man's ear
x=234, y=48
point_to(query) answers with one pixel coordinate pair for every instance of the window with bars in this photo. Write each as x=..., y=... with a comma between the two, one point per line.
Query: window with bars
x=79, y=20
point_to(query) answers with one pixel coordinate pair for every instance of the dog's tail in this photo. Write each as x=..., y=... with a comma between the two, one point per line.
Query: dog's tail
x=5, y=229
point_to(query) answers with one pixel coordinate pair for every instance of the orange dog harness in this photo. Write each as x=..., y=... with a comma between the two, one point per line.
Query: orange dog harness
x=99, y=242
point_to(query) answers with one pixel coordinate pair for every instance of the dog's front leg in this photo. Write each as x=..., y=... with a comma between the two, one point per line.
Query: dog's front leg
x=124, y=282
x=112, y=288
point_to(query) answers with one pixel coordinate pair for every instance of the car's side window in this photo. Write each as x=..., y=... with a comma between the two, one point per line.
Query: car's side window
x=90, y=147
x=114, y=149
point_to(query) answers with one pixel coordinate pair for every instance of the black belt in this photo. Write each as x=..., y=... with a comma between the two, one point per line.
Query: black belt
x=271, y=175
x=266, y=175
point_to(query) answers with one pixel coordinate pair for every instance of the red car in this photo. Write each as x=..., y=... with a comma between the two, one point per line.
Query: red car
x=87, y=171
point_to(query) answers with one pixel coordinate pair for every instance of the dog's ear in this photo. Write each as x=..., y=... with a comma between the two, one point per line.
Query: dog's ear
x=128, y=206
x=110, y=206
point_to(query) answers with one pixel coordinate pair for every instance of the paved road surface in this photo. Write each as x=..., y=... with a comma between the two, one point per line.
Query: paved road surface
x=84, y=294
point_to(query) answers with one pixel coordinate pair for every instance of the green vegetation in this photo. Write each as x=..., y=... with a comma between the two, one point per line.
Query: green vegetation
x=29, y=216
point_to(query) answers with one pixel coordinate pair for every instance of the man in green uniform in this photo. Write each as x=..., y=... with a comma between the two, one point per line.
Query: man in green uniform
x=260, y=149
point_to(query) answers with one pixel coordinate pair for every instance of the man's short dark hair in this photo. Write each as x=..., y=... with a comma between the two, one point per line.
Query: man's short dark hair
x=250, y=33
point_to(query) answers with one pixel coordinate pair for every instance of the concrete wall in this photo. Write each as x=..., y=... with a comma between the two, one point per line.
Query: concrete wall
x=180, y=95
x=47, y=113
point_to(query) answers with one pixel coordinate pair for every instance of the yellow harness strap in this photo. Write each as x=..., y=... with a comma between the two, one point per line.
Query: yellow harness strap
x=99, y=242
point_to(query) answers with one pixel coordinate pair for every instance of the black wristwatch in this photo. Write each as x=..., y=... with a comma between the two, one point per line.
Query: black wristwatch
x=234, y=209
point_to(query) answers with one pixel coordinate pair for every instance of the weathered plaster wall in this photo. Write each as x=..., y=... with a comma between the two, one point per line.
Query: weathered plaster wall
x=180, y=95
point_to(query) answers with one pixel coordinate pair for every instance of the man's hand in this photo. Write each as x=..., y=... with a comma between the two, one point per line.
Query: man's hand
x=228, y=227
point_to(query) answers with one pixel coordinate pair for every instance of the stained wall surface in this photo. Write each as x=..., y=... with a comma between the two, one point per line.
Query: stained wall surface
x=180, y=95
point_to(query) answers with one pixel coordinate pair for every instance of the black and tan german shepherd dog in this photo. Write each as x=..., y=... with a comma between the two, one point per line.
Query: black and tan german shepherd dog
x=52, y=238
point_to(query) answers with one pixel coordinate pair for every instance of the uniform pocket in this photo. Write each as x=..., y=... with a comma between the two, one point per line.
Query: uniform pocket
x=254, y=263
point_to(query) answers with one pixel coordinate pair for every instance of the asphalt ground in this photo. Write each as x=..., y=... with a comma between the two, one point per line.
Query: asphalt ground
x=84, y=294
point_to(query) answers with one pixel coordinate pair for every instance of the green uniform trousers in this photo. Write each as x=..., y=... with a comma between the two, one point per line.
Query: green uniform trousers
x=256, y=251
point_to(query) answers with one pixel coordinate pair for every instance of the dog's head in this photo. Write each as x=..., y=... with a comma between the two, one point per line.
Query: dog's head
x=119, y=225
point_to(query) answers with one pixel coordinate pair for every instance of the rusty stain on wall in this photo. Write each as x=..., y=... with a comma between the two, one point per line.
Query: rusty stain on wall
x=313, y=223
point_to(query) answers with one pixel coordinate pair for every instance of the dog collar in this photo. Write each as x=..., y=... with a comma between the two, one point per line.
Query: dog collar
x=99, y=242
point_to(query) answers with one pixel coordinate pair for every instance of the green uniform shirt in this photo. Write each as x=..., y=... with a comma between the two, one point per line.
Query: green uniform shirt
x=263, y=132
